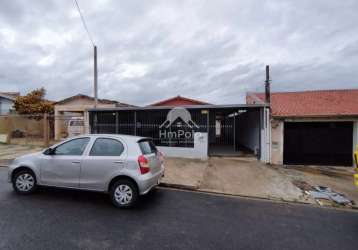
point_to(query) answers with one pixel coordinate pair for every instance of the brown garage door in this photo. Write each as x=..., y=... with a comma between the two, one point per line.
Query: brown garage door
x=318, y=143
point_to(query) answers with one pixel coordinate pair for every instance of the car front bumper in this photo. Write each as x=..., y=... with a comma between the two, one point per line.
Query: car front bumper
x=9, y=172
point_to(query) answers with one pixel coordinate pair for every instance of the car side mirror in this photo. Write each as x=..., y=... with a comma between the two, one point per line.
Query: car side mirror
x=49, y=151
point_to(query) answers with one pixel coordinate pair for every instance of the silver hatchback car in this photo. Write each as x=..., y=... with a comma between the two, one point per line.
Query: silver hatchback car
x=123, y=166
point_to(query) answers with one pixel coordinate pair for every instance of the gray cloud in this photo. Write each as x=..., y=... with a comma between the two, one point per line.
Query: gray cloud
x=150, y=50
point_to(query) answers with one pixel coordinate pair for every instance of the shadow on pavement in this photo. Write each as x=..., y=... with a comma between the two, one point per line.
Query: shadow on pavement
x=86, y=198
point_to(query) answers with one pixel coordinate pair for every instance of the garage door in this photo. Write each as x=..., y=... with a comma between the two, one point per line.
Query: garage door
x=318, y=143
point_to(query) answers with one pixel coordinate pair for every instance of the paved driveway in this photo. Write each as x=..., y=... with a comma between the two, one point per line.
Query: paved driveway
x=249, y=177
x=167, y=219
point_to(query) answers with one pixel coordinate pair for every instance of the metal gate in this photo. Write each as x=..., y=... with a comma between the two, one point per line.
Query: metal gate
x=231, y=130
x=151, y=123
x=319, y=143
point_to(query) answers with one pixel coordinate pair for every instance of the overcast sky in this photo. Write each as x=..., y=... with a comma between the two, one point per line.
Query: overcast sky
x=150, y=50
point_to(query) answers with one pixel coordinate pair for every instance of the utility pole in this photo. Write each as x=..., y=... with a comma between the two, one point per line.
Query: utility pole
x=95, y=77
x=267, y=85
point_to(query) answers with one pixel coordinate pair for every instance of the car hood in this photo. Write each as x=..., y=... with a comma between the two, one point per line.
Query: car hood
x=27, y=156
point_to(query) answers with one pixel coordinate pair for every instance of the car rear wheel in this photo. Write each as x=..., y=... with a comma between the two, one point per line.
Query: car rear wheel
x=24, y=182
x=124, y=193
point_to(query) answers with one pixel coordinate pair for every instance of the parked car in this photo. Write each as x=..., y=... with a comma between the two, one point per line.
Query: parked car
x=122, y=165
x=76, y=126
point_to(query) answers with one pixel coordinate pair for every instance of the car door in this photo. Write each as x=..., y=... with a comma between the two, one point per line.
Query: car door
x=63, y=166
x=106, y=157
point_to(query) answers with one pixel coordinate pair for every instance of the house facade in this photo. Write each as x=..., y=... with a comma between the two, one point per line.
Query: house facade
x=184, y=127
x=75, y=107
x=312, y=127
x=7, y=102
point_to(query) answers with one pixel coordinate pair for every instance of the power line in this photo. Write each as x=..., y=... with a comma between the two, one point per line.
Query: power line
x=84, y=23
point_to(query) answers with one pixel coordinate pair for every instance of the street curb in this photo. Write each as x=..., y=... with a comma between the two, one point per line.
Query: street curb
x=178, y=186
x=193, y=188
x=5, y=162
x=271, y=199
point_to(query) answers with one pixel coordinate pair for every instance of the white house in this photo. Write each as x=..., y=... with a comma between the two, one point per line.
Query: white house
x=7, y=102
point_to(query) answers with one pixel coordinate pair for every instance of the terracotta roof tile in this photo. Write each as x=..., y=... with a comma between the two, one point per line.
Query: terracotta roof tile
x=178, y=101
x=317, y=103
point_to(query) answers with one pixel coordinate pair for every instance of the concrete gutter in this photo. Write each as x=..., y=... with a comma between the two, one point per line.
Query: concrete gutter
x=270, y=198
x=179, y=186
x=5, y=163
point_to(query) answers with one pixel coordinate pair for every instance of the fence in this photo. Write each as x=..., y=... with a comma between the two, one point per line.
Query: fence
x=40, y=130
x=153, y=124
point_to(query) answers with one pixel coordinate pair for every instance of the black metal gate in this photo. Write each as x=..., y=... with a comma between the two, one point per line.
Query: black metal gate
x=231, y=131
x=152, y=123
x=318, y=143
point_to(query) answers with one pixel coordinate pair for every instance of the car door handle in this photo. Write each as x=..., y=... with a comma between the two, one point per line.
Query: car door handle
x=76, y=162
x=120, y=162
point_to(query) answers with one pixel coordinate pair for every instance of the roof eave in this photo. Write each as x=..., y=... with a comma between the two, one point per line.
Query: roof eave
x=207, y=106
x=311, y=116
x=8, y=97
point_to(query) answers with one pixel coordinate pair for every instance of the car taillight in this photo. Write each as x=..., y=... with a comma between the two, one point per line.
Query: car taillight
x=143, y=164
x=161, y=157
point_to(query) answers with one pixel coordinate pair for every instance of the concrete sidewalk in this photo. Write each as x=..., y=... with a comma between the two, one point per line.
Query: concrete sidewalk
x=248, y=177
x=236, y=176
x=10, y=152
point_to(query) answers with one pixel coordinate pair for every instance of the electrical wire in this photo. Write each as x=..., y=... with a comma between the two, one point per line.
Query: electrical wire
x=84, y=23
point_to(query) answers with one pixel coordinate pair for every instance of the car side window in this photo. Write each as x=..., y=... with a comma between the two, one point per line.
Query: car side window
x=73, y=147
x=107, y=147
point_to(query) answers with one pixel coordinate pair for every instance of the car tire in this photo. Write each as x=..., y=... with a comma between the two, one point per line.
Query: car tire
x=24, y=182
x=124, y=193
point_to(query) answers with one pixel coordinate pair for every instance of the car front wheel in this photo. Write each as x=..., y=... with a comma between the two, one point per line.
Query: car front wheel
x=124, y=193
x=24, y=182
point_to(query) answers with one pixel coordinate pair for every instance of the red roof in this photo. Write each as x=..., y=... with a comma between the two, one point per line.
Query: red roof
x=317, y=103
x=178, y=101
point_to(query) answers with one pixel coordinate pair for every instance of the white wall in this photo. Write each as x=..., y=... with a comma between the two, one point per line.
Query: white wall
x=277, y=130
x=5, y=106
x=265, y=136
x=200, y=149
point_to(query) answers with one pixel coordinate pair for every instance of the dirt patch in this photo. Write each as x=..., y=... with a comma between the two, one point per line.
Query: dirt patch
x=304, y=186
x=342, y=172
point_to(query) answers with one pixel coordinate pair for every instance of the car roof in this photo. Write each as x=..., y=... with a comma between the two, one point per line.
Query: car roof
x=120, y=136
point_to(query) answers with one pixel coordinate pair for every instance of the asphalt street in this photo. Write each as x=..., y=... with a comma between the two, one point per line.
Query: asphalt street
x=167, y=219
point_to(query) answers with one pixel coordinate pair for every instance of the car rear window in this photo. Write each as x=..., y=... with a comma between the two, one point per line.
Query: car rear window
x=147, y=147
